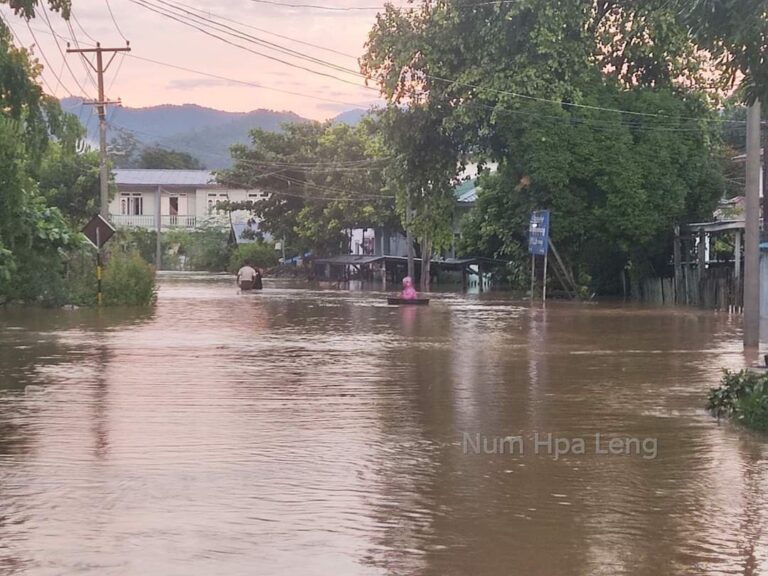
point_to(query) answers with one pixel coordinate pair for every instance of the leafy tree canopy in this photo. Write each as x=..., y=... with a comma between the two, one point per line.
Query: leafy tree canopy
x=322, y=181
x=156, y=157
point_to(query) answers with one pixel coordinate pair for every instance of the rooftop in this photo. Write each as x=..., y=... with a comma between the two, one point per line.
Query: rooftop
x=144, y=177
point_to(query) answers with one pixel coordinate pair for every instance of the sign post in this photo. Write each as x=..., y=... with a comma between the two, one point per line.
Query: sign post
x=98, y=232
x=538, y=245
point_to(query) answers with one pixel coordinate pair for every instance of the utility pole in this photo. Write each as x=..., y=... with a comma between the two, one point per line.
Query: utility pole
x=752, y=232
x=101, y=106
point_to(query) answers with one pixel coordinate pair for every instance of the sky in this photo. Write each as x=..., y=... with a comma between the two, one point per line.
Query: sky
x=273, y=85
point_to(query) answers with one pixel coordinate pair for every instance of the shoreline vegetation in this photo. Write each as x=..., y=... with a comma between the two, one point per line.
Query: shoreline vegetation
x=742, y=398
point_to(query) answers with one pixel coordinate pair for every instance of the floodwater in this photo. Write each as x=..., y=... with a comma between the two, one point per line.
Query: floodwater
x=324, y=433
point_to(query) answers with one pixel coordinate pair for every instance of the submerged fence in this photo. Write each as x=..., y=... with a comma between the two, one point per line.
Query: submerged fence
x=716, y=289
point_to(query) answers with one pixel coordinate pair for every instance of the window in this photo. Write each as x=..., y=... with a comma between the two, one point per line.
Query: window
x=124, y=206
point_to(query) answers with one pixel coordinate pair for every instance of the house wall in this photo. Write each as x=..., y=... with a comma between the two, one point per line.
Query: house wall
x=193, y=203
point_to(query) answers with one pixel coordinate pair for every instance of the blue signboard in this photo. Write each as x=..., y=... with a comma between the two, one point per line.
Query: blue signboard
x=538, y=233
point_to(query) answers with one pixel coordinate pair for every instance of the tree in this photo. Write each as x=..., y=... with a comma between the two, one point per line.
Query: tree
x=736, y=33
x=424, y=164
x=124, y=149
x=33, y=235
x=160, y=158
x=322, y=181
x=595, y=110
x=69, y=180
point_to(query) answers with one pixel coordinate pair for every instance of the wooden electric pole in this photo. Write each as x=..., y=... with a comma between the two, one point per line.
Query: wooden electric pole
x=101, y=106
x=752, y=232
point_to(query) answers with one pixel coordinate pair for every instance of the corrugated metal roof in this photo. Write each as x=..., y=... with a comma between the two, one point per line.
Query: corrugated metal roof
x=142, y=177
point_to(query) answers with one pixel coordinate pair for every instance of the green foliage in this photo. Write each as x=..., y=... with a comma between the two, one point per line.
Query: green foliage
x=128, y=280
x=206, y=249
x=323, y=179
x=742, y=396
x=537, y=85
x=27, y=8
x=734, y=32
x=157, y=158
x=124, y=149
x=70, y=181
x=259, y=254
x=139, y=240
x=35, y=137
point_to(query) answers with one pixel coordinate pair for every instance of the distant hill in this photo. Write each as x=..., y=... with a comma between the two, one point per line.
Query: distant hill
x=205, y=133
x=351, y=117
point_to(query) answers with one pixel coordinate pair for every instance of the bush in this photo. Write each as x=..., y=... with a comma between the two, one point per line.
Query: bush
x=138, y=240
x=260, y=254
x=742, y=396
x=205, y=249
x=128, y=280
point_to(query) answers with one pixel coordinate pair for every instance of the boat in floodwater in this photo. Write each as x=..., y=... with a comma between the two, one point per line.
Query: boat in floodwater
x=395, y=301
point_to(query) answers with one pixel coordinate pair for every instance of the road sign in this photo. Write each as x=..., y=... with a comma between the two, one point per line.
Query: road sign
x=98, y=231
x=538, y=233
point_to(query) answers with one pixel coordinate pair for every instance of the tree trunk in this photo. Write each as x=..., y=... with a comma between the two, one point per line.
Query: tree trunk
x=409, y=242
x=426, y=263
x=409, y=239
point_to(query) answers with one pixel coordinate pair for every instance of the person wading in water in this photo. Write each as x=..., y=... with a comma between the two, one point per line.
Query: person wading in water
x=247, y=276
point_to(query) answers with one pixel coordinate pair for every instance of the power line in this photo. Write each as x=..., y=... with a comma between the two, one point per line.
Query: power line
x=83, y=30
x=509, y=93
x=117, y=71
x=16, y=38
x=225, y=29
x=233, y=80
x=243, y=82
x=593, y=122
x=114, y=21
x=320, y=7
x=265, y=31
x=63, y=56
x=47, y=62
x=269, y=57
x=318, y=167
x=85, y=65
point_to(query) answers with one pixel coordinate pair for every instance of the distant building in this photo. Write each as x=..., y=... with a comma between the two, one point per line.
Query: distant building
x=187, y=199
x=378, y=242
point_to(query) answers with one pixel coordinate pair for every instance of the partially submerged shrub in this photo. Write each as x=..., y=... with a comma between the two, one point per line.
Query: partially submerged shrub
x=128, y=281
x=742, y=396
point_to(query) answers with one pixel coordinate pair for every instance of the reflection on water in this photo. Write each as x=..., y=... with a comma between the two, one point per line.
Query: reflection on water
x=321, y=432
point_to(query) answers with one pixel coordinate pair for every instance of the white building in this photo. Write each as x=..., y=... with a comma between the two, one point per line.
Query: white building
x=181, y=198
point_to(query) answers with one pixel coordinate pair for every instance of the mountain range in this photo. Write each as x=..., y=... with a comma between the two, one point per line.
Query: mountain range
x=205, y=133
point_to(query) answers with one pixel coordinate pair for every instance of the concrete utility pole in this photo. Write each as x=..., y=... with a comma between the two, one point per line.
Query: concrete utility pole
x=752, y=232
x=101, y=106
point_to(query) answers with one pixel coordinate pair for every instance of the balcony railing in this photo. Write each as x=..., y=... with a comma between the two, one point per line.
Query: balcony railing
x=149, y=221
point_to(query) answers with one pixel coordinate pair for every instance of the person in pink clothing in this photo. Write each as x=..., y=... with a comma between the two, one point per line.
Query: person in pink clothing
x=408, y=293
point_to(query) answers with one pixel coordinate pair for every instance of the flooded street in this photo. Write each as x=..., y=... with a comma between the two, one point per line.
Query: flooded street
x=325, y=433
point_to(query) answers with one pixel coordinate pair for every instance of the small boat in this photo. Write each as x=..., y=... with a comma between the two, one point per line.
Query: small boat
x=395, y=301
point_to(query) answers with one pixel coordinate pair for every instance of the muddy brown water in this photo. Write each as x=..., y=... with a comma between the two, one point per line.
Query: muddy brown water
x=315, y=432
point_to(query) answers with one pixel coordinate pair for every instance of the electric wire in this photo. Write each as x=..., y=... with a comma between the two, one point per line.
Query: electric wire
x=436, y=78
x=47, y=62
x=63, y=55
x=114, y=21
x=265, y=31
x=595, y=122
x=235, y=44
